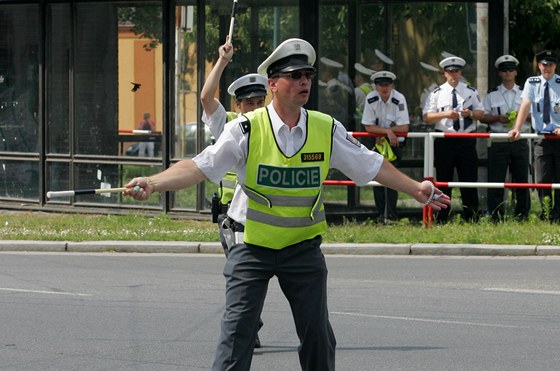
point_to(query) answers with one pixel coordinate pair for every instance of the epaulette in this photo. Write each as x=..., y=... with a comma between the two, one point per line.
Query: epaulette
x=245, y=125
x=492, y=90
x=395, y=101
x=373, y=99
x=436, y=90
x=534, y=80
x=470, y=87
x=558, y=80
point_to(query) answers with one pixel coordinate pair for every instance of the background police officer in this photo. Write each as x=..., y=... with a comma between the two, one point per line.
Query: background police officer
x=501, y=106
x=541, y=96
x=453, y=108
x=250, y=93
x=386, y=112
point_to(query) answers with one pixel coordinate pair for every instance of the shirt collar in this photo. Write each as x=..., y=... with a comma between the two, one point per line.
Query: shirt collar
x=278, y=124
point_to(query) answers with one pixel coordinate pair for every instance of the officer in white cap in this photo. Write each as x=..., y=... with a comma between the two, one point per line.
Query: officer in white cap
x=454, y=107
x=362, y=81
x=250, y=93
x=541, y=97
x=501, y=106
x=282, y=154
x=386, y=113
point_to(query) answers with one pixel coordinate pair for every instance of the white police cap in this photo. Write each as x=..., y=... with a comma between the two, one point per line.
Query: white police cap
x=452, y=63
x=506, y=62
x=290, y=55
x=329, y=62
x=383, y=57
x=383, y=76
x=249, y=86
x=362, y=69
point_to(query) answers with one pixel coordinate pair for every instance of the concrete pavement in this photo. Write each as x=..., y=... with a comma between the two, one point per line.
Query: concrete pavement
x=328, y=248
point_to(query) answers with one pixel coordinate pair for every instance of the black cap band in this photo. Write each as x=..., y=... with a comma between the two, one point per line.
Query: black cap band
x=453, y=67
x=249, y=91
x=290, y=63
x=507, y=66
x=381, y=80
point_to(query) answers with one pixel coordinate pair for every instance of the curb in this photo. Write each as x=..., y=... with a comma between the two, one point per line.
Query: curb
x=170, y=247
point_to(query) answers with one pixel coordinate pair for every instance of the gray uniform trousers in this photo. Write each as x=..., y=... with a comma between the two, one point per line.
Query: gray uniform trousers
x=547, y=166
x=515, y=156
x=302, y=274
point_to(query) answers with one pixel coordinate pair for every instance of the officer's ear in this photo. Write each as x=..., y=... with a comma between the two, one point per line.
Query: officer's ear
x=272, y=83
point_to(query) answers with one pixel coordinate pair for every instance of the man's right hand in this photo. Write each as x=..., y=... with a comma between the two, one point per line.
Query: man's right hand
x=226, y=50
x=513, y=134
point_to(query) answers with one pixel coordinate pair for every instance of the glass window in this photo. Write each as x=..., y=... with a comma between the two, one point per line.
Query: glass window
x=58, y=84
x=117, y=78
x=101, y=175
x=334, y=85
x=257, y=31
x=186, y=86
x=19, y=78
x=19, y=179
x=19, y=100
x=140, y=80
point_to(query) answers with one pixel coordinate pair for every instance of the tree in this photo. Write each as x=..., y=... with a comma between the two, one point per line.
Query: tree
x=533, y=26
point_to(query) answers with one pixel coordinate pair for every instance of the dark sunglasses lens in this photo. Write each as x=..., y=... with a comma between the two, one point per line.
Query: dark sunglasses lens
x=299, y=74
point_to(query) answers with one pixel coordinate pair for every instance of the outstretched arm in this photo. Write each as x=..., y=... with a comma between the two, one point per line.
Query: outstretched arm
x=209, y=104
x=424, y=192
x=182, y=175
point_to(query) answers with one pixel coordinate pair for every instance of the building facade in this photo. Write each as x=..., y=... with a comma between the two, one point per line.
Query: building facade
x=76, y=78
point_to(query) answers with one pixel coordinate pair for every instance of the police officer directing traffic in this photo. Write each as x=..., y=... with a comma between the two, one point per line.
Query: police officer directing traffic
x=453, y=108
x=541, y=96
x=282, y=154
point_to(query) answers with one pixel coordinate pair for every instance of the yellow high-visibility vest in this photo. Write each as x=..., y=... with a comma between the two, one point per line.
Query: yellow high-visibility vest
x=229, y=181
x=286, y=193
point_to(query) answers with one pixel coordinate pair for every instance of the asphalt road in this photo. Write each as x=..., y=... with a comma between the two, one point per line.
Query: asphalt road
x=106, y=311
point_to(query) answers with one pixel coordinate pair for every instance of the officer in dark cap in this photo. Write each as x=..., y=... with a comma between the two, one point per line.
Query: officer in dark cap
x=541, y=97
x=454, y=107
x=250, y=93
x=501, y=106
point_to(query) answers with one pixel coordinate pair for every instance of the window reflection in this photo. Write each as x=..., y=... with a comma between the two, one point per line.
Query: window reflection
x=140, y=80
x=19, y=79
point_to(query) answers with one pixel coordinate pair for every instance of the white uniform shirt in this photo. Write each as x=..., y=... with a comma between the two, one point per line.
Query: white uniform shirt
x=230, y=152
x=534, y=91
x=386, y=114
x=216, y=121
x=441, y=100
x=501, y=101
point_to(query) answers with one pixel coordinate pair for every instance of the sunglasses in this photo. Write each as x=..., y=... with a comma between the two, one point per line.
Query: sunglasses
x=297, y=75
x=508, y=70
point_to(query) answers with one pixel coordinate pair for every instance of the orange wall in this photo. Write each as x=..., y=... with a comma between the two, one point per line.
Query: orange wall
x=142, y=66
